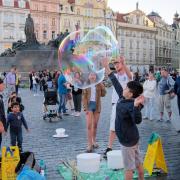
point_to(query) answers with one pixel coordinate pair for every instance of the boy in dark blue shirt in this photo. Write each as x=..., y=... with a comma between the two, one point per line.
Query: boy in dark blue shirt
x=128, y=114
x=15, y=119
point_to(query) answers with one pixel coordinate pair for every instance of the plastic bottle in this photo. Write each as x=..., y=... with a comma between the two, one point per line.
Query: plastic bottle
x=42, y=168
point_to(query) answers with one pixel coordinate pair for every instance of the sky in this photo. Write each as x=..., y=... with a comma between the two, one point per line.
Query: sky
x=165, y=8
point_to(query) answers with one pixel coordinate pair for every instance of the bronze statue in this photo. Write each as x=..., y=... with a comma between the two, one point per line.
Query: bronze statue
x=29, y=31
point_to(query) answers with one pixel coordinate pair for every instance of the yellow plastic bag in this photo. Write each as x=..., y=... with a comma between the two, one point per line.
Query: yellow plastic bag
x=10, y=159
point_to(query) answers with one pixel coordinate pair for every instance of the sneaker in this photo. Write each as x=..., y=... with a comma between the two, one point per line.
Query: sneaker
x=144, y=117
x=66, y=114
x=59, y=116
x=105, y=153
x=77, y=114
x=160, y=120
x=168, y=121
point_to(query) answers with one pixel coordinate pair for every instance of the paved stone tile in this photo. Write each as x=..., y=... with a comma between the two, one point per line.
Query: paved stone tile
x=52, y=150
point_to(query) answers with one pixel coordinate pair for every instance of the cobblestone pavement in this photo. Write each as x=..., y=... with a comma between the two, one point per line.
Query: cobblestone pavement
x=52, y=150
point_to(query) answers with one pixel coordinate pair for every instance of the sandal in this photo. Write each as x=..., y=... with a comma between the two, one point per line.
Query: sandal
x=95, y=145
x=89, y=149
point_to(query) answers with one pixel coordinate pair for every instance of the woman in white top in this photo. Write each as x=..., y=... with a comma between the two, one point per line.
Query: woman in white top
x=149, y=87
x=35, y=85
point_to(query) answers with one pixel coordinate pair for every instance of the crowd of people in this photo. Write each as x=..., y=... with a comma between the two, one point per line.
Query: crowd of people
x=129, y=96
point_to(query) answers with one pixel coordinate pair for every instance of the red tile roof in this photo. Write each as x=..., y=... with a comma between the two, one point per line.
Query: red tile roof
x=71, y=1
x=1, y=3
x=120, y=17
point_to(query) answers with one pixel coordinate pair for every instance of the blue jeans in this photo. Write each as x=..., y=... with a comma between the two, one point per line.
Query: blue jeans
x=62, y=103
x=16, y=137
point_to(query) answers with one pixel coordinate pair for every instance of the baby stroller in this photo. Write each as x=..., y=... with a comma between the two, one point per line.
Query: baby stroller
x=50, y=104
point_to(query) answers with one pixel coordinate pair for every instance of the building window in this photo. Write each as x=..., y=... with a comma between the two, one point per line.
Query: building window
x=53, y=35
x=78, y=11
x=137, y=45
x=122, y=43
x=8, y=34
x=131, y=44
x=130, y=56
x=53, y=22
x=21, y=4
x=8, y=3
x=44, y=8
x=137, y=20
x=36, y=7
x=137, y=56
x=22, y=19
x=37, y=34
x=44, y=34
x=66, y=9
x=8, y=18
x=61, y=7
x=72, y=8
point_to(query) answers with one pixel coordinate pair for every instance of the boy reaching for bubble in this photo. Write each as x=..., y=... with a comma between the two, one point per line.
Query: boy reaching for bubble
x=128, y=114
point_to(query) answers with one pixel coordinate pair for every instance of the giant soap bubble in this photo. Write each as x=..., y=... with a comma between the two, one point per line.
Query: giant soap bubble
x=81, y=52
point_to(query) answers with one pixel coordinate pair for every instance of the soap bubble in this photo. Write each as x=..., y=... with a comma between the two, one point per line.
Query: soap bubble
x=81, y=52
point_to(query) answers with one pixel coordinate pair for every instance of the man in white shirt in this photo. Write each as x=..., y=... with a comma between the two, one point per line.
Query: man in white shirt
x=123, y=75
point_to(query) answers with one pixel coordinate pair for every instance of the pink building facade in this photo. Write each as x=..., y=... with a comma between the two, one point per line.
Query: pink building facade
x=46, y=19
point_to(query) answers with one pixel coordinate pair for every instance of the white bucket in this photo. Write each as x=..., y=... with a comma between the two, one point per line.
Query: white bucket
x=115, y=160
x=88, y=162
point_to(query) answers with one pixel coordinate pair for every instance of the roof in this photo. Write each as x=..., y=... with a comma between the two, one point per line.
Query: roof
x=71, y=1
x=120, y=17
x=154, y=14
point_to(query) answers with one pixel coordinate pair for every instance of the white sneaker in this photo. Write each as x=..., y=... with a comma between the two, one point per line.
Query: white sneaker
x=73, y=113
x=77, y=114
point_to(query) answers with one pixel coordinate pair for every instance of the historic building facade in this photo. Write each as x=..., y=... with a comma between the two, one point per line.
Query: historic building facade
x=164, y=41
x=85, y=14
x=46, y=19
x=136, y=36
x=13, y=15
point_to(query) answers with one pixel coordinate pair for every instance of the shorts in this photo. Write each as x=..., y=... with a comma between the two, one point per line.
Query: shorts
x=92, y=106
x=131, y=157
x=113, y=117
x=164, y=101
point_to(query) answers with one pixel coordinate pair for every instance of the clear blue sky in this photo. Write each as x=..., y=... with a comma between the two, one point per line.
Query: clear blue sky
x=165, y=8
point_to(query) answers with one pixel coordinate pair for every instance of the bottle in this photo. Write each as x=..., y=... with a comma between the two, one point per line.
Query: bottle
x=42, y=167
